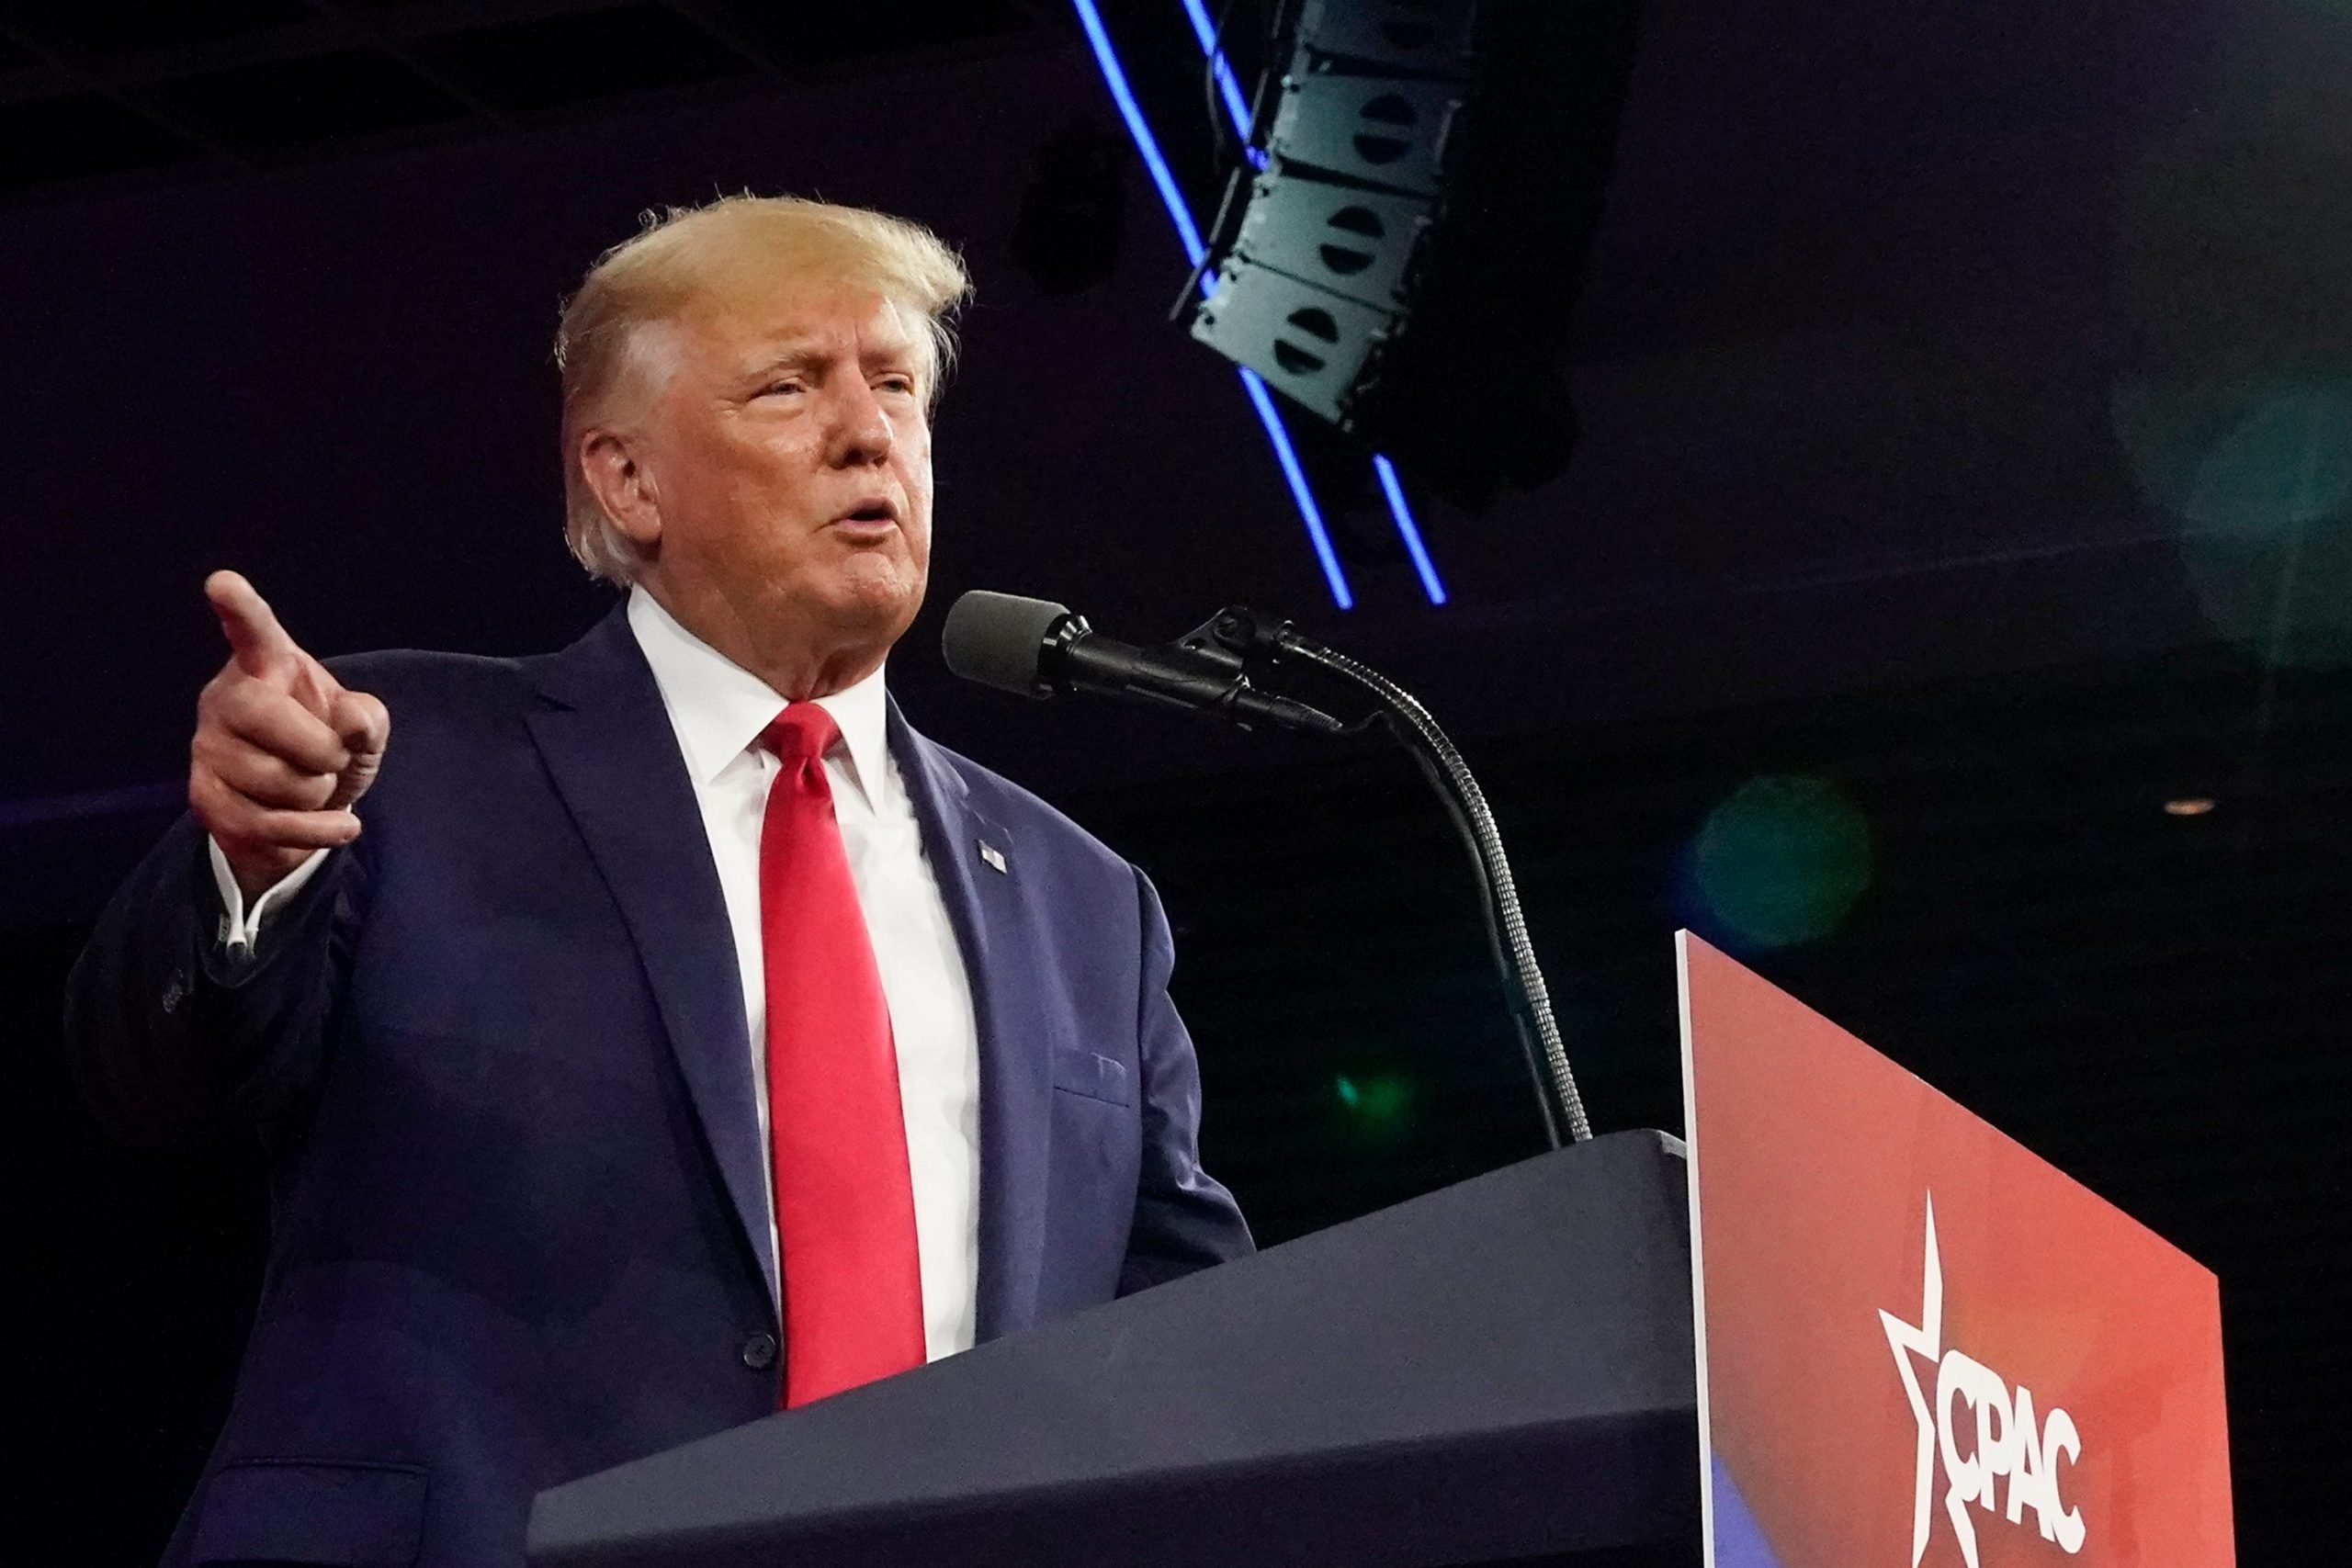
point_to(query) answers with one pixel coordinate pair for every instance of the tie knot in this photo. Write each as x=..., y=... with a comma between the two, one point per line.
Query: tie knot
x=801, y=733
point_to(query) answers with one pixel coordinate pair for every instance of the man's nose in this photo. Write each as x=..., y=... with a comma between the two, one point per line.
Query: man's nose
x=860, y=432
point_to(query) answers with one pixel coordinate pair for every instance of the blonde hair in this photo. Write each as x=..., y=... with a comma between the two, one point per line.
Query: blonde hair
x=685, y=252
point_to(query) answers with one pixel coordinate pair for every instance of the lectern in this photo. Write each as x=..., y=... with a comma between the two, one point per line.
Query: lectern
x=1504, y=1371
x=1495, y=1371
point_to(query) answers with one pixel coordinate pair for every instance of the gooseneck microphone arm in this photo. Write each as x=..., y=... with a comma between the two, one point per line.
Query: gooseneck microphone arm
x=1259, y=643
x=1036, y=648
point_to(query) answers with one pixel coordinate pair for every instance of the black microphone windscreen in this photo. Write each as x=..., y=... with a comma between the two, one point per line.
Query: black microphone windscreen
x=997, y=638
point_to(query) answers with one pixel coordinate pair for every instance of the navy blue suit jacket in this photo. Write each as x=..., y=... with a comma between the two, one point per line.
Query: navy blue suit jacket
x=497, y=1052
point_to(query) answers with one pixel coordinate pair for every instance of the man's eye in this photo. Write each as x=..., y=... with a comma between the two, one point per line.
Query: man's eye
x=782, y=386
x=899, y=384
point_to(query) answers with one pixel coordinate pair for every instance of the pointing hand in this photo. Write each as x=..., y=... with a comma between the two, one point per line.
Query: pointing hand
x=282, y=751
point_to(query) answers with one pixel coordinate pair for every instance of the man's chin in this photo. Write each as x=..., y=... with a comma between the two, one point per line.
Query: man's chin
x=878, y=603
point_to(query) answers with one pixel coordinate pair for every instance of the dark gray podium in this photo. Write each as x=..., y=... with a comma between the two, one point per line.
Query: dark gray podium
x=1498, y=1372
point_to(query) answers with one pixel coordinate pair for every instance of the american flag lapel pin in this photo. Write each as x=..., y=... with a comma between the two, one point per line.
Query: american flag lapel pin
x=993, y=855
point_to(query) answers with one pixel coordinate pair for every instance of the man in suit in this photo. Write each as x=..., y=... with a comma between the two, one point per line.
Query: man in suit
x=684, y=1035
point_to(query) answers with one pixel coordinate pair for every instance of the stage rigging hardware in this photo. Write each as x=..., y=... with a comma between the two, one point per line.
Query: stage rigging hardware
x=1404, y=263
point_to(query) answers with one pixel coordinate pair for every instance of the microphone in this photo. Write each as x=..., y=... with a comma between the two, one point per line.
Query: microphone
x=1034, y=648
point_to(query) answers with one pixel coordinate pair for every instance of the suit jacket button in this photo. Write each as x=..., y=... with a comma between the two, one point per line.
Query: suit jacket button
x=759, y=1352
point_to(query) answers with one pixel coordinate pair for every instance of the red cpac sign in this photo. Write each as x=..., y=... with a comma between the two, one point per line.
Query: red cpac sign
x=1921, y=1346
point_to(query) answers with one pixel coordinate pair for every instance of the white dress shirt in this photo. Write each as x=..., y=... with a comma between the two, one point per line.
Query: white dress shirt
x=718, y=710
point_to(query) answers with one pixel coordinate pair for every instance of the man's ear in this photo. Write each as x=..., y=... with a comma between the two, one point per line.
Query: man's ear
x=610, y=464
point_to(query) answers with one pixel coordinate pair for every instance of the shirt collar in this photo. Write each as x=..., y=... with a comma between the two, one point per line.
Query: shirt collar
x=718, y=708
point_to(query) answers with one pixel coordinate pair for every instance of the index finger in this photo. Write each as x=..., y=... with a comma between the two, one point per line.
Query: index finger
x=258, y=643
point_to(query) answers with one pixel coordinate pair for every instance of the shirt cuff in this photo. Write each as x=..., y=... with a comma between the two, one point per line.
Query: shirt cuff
x=240, y=926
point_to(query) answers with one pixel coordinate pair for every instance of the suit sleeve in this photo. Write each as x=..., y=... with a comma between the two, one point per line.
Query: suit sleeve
x=174, y=1035
x=1184, y=1218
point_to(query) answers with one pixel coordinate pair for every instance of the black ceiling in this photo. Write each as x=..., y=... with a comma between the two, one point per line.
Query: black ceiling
x=113, y=91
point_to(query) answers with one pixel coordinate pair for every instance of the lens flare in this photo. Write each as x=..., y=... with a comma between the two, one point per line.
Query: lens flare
x=1378, y=1105
x=1780, y=861
x=2256, y=472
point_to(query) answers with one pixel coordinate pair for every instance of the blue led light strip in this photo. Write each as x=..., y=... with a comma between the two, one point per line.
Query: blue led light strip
x=1394, y=493
x=1189, y=234
x=1407, y=530
x=1317, y=534
x=1132, y=112
x=1234, y=105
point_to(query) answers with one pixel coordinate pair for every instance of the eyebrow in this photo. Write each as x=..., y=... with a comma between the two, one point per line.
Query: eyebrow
x=803, y=356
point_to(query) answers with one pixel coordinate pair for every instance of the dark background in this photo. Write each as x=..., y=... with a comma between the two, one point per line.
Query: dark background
x=1966, y=464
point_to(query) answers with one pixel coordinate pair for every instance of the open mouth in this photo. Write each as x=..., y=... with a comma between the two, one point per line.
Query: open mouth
x=873, y=512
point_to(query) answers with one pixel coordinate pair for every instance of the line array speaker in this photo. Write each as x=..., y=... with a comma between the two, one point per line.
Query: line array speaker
x=1407, y=262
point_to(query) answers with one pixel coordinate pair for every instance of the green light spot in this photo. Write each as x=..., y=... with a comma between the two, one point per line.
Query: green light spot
x=1385, y=1100
x=1782, y=860
x=1378, y=1107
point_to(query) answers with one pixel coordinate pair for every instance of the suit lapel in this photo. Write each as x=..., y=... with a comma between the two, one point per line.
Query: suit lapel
x=985, y=906
x=608, y=745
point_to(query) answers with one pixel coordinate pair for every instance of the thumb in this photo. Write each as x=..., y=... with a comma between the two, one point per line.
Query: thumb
x=365, y=727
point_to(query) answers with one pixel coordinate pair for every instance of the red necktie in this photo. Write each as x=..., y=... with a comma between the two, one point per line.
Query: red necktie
x=837, y=1138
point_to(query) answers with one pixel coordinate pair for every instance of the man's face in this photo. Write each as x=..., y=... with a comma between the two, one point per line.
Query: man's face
x=789, y=443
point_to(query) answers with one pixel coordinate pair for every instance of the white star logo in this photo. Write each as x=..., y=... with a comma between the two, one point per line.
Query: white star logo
x=2003, y=1438
x=1925, y=1341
